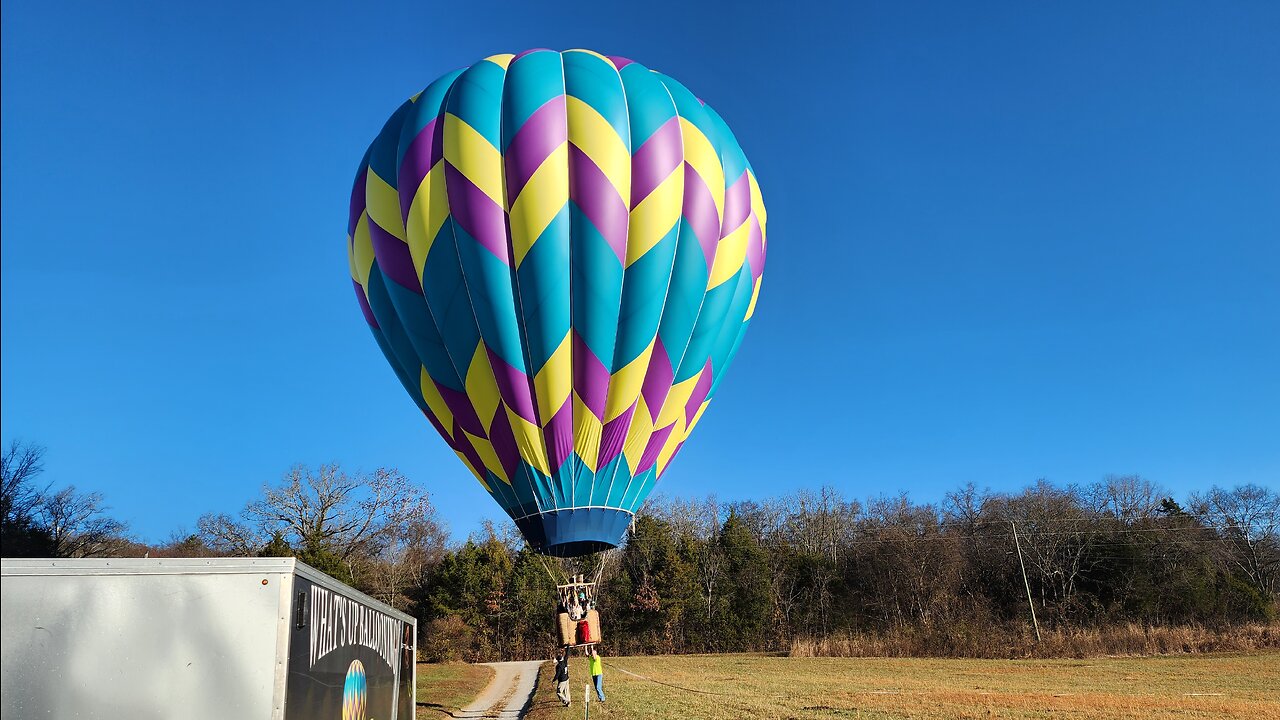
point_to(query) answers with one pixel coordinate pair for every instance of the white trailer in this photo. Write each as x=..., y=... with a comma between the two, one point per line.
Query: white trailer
x=199, y=639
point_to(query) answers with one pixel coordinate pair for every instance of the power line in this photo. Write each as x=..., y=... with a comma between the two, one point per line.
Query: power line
x=1093, y=537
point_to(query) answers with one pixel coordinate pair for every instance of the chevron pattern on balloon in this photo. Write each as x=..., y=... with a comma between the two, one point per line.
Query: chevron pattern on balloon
x=559, y=254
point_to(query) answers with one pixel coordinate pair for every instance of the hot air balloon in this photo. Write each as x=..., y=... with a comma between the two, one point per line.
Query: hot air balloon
x=559, y=254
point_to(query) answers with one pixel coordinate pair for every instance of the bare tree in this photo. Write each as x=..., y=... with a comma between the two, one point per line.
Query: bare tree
x=905, y=552
x=225, y=535
x=820, y=528
x=78, y=525
x=1248, y=522
x=1127, y=498
x=710, y=558
x=820, y=523
x=20, y=496
x=409, y=553
x=697, y=525
x=1058, y=536
x=349, y=514
x=688, y=517
x=376, y=529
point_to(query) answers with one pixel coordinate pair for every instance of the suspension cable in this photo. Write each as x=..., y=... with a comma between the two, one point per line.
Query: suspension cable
x=546, y=567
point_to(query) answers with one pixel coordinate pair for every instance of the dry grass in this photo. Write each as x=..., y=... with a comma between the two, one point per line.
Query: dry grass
x=1018, y=642
x=445, y=687
x=760, y=687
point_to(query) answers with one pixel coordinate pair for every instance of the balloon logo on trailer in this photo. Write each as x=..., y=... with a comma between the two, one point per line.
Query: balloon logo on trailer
x=559, y=254
x=355, y=692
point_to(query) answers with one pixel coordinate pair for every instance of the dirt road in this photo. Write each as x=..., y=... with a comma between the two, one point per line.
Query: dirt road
x=508, y=695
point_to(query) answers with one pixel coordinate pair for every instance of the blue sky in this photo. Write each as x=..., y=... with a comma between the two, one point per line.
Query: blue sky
x=1007, y=241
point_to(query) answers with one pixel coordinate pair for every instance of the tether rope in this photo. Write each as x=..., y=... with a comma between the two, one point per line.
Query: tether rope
x=659, y=682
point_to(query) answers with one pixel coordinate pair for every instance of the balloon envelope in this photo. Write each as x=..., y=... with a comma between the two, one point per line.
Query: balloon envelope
x=559, y=254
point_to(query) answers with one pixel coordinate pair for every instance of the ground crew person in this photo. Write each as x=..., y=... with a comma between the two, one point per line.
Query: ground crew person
x=597, y=672
x=562, y=677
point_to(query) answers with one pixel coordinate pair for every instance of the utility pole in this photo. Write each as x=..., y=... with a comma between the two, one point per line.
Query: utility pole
x=1030, y=603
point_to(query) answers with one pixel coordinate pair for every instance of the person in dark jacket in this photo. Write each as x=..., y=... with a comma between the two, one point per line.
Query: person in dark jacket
x=562, y=677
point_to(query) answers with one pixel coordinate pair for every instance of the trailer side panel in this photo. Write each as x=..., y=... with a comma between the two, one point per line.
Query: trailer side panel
x=196, y=646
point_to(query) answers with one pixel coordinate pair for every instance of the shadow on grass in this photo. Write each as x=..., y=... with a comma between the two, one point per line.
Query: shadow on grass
x=442, y=709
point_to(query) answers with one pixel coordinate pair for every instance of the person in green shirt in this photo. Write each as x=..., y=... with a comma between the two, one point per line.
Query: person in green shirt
x=596, y=665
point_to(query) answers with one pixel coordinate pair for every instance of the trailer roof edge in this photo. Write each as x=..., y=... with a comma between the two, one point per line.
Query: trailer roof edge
x=20, y=567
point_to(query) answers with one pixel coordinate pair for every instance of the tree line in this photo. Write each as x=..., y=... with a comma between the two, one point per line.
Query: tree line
x=813, y=571
x=41, y=521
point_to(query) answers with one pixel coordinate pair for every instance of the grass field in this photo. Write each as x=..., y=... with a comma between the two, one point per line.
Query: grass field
x=760, y=687
x=445, y=687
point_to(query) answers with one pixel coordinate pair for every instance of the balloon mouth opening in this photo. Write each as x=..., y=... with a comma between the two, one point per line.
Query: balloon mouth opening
x=576, y=531
x=575, y=549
